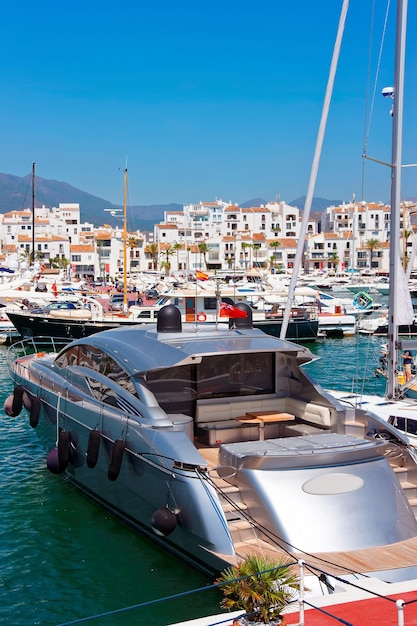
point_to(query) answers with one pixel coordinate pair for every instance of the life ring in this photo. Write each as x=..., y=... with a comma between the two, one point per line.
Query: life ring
x=362, y=301
x=201, y=317
x=116, y=459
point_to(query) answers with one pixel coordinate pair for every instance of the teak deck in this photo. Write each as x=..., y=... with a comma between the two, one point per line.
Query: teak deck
x=368, y=560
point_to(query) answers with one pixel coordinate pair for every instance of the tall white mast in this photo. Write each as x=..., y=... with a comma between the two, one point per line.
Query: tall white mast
x=314, y=170
x=396, y=165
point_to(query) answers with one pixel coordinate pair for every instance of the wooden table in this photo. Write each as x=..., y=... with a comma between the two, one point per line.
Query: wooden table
x=260, y=418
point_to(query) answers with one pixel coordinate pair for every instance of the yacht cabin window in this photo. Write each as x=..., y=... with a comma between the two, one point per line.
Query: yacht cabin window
x=177, y=389
x=95, y=359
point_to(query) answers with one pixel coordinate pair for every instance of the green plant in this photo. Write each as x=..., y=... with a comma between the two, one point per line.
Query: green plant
x=261, y=586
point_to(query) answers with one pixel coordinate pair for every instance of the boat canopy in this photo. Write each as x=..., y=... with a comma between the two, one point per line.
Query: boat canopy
x=144, y=349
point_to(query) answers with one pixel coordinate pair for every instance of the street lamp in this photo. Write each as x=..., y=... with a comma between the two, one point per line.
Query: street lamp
x=114, y=212
x=118, y=213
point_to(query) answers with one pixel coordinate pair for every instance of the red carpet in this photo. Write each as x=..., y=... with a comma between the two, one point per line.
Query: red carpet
x=371, y=612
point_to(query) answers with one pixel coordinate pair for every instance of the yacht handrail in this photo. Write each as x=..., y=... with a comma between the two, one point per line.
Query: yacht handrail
x=36, y=345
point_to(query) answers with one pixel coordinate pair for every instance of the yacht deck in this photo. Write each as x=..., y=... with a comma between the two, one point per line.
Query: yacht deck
x=381, y=558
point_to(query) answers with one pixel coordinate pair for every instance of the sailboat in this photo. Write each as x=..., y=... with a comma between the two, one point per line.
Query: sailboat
x=396, y=408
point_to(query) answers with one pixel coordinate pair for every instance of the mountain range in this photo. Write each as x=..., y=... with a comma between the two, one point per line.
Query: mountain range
x=16, y=194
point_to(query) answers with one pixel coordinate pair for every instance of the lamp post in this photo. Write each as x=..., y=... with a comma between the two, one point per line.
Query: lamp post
x=114, y=212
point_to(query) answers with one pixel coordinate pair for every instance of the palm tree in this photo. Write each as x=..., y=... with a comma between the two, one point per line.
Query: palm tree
x=132, y=242
x=246, y=245
x=406, y=236
x=259, y=585
x=99, y=246
x=60, y=262
x=334, y=260
x=371, y=245
x=274, y=244
x=25, y=254
x=256, y=247
x=177, y=247
x=203, y=248
x=153, y=250
x=166, y=266
x=168, y=251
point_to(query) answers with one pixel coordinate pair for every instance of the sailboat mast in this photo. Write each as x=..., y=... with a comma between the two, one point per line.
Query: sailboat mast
x=125, y=303
x=314, y=170
x=396, y=165
x=32, y=258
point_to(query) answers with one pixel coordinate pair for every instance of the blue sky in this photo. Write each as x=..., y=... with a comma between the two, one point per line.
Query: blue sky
x=206, y=100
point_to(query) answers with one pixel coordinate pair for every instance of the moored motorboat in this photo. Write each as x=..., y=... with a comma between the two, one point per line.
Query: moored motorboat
x=196, y=303
x=214, y=441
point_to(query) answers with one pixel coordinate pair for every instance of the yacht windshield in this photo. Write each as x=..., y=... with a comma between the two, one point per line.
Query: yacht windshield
x=225, y=375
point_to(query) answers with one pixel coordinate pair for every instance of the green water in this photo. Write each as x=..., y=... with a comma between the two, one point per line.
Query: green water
x=348, y=364
x=63, y=558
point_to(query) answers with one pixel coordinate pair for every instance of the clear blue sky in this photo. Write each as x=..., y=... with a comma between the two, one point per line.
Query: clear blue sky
x=206, y=99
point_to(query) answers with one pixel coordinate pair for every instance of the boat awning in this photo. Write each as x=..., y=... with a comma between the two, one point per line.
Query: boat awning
x=145, y=350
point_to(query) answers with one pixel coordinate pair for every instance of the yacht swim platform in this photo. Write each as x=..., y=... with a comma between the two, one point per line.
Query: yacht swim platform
x=390, y=558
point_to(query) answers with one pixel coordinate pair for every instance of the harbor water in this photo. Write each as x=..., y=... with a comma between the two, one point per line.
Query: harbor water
x=64, y=559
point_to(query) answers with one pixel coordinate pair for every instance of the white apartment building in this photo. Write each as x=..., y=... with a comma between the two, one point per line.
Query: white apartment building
x=365, y=229
x=236, y=237
x=19, y=243
x=365, y=220
x=88, y=251
x=206, y=236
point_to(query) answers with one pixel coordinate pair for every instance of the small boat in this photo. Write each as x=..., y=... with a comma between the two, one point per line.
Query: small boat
x=214, y=441
x=8, y=331
x=379, y=326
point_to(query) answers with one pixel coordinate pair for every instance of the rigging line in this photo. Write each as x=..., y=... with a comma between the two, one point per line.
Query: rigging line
x=145, y=604
x=26, y=194
x=275, y=539
x=384, y=30
x=367, y=124
x=367, y=356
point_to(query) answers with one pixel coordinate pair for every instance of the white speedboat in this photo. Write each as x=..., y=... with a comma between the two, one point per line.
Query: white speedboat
x=213, y=440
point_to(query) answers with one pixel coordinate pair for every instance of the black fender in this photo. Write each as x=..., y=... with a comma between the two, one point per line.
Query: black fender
x=34, y=411
x=93, y=447
x=63, y=449
x=116, y=458
x=17, y=403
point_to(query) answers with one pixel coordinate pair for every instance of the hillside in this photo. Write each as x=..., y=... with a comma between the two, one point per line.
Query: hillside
x=16, y=194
